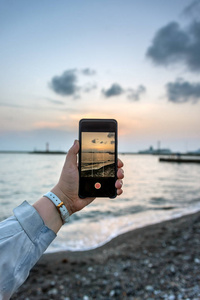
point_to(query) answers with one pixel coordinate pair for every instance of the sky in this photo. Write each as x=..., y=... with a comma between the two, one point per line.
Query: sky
x=135, y=61
x=98, y=141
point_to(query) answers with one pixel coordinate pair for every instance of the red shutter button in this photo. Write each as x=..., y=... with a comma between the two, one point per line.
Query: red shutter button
x=97, y=185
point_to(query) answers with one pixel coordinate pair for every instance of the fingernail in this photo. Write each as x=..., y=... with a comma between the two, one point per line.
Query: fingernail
x=121, y=182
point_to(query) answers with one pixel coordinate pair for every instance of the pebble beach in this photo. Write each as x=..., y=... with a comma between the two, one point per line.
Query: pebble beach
x=160, y=261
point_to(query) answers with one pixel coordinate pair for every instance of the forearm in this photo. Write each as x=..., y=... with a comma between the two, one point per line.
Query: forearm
x=49, y=213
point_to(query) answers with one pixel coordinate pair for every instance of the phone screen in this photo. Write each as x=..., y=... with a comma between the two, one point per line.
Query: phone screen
x=97, y=158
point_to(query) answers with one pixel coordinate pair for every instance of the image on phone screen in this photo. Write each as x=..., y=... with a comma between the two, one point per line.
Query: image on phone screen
x=97, y=158
x=98, y=154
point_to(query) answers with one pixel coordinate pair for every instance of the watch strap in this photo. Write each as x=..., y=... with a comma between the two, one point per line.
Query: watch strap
x=59, y=205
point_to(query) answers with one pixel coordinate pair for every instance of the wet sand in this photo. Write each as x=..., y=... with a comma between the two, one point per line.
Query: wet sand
x=106, y=171
x=160, y=261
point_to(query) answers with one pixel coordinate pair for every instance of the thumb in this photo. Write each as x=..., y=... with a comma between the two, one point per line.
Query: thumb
x=72, y=153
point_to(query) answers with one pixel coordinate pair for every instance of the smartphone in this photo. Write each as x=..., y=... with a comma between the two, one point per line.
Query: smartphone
x=97, y=158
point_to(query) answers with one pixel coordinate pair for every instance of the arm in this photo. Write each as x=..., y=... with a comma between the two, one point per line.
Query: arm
x=25, y=236
x=23, y=239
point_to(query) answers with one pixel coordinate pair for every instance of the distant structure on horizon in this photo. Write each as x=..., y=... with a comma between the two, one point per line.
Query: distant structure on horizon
x=194, y=152
x=47, y=151
x=151, y=150
x=47, y=147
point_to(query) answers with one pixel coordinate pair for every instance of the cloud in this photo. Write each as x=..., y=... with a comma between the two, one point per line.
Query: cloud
x=54, y=101
x=89, y=87
x=65, y=84
x=168, y=44
x=117, y=90
x=3, y=104
x=192, y=10
x=94, y=141
x=88, y=72
x=114, y=90
x=111, y=135
x=39, y=106
x=172, y=44
x=135, y=94
x=182, y=91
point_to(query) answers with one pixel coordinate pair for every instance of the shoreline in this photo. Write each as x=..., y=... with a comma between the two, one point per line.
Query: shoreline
x=158, y=261
x=108, y=169
x=118, y=234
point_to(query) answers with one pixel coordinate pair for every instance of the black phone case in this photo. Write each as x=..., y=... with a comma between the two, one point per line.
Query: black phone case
x=92, y=183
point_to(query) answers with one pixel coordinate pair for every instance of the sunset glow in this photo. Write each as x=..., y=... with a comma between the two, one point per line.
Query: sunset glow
x=67, y=66
x=98, y=141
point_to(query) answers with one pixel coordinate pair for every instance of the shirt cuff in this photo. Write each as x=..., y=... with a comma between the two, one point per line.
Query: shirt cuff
x=32, y=223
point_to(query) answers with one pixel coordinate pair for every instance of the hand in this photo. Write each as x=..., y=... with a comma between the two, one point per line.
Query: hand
x=67, y=187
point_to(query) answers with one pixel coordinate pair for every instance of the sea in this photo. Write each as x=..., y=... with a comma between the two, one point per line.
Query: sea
x=153, y=192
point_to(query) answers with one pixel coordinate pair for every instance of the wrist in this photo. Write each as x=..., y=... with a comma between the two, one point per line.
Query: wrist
x=58, y=192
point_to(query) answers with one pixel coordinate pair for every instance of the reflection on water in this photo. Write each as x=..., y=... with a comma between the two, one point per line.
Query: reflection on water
x=152, y=192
